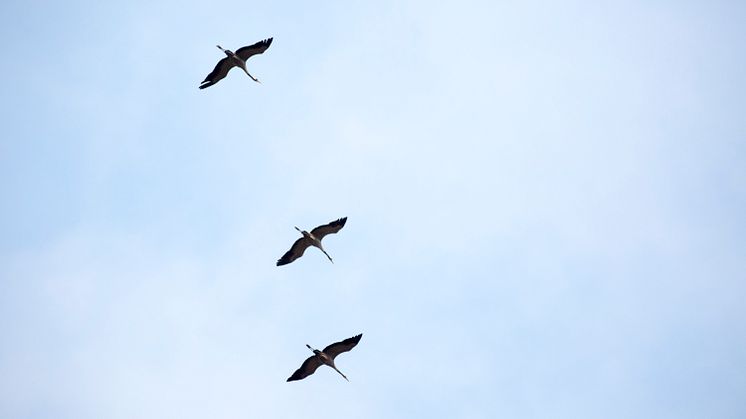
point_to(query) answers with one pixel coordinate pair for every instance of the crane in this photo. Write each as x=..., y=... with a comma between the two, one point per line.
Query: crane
x=237, y=59
x=325, y=357
x=311, y=239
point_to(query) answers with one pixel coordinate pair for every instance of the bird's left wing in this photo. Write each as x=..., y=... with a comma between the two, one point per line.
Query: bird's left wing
x=245, y=52
x=309, y=366
x=331, y=228
x=218, y=73
x=295, y=252
x=337, y=348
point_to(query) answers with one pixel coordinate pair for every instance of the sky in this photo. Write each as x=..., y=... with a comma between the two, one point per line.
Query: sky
x=545, y=207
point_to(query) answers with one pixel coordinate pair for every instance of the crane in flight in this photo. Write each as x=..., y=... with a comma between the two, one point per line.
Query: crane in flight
x=311, y=239
x=235, y=59
x=325, y=357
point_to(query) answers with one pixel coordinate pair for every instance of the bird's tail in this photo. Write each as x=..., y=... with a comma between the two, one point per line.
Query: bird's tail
x=330, y=258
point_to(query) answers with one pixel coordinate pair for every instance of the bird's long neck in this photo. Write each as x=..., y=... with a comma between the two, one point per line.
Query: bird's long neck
x=340, y=373
x=327, y=254
x=243, y=67
x=242, y=64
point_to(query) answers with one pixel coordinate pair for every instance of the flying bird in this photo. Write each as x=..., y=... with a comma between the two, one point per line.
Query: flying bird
x=311, y=239
x=237, y=59
x=325, y=357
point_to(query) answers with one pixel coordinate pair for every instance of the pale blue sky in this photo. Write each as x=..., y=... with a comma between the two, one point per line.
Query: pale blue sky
x=545, y=205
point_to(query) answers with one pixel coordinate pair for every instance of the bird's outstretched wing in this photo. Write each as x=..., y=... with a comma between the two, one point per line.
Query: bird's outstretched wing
x=245, y=52
x=295, y=252
x=218, y=73
x=331, y=228
x=309, y=367
x=337, y=348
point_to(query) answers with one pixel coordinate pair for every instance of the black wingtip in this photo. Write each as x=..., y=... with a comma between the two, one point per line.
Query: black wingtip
x=354, y=339
x=341, y=222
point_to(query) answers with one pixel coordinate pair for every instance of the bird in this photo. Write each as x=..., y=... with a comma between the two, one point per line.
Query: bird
x=311, y=239
x=237, y=59
x=325, y=357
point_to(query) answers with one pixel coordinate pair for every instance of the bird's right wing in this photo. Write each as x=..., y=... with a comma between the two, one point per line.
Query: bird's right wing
x=245, y=52
x=337, y=348
x=218, y=73
x=331, y=228
x=308, y=368
x=295, y=252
